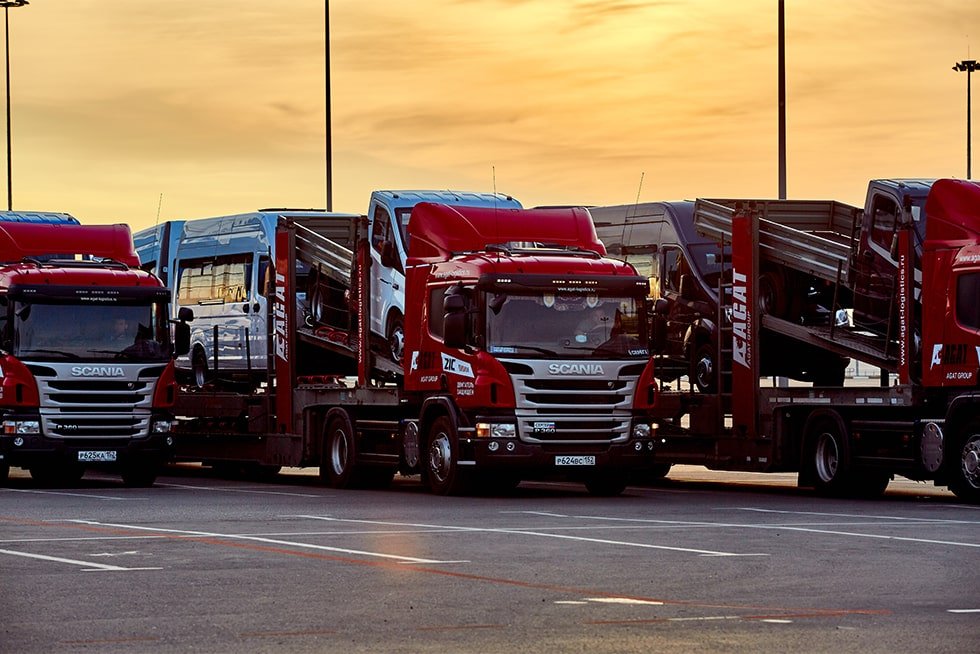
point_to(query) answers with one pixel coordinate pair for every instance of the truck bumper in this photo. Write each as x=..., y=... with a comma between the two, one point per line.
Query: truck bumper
x=571, y=461
x=26, y=449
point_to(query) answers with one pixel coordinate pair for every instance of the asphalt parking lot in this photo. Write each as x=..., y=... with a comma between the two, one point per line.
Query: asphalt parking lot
x=703, y=562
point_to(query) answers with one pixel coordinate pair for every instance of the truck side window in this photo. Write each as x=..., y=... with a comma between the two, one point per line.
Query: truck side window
x=883, y=219
x=380, y=228
x=672, y=269
x=437, y=303
x=967, y=306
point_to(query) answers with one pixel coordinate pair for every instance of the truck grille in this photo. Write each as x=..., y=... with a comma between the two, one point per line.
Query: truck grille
x=572, y=408
x=73, y=408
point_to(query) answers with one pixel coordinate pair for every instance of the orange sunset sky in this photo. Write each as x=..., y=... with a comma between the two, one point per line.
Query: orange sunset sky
x=130, y=110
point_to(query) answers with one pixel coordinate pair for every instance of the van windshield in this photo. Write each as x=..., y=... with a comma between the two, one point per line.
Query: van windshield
x=710, y=261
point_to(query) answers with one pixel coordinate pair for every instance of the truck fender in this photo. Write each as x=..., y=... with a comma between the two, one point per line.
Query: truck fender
x=963, y=410
x=808, y=442
x=440, y=405
x=700, y=330
x=333, y=412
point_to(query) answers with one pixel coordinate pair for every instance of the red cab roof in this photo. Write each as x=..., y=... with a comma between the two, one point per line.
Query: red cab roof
x=953, y=210
x=20, y=240
x=438, y=231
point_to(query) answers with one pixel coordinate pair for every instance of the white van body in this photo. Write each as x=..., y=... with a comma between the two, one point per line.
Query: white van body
x=388, y=216
x=221, y=269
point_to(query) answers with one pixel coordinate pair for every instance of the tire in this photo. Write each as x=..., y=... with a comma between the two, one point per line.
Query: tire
x=772, y=296
x=339, y=468
x=658, y=471
x=606, y=484
x=199, y=368
x=703, y=369
x=395, y=338
x=442, y=470
x=58, y=474
x=140, y=474
x=868, y=484
x=964, y=479
x=828, y=456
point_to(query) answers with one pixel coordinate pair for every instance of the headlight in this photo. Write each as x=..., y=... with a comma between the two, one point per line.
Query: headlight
x=641, y=430
x=496, y=430
x=163, y=426
x=21, y=427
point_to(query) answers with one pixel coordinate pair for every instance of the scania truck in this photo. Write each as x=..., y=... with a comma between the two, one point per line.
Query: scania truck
x=520, y=361
x=923, y=422
x=86, y=369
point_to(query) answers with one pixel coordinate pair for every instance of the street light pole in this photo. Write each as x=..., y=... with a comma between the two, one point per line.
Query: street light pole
x=7, y=4
x=781, y=37
x=329, y=136
x=967, y=66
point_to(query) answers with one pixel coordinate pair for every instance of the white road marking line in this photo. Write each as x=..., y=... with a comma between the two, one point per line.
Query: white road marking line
x=863, y=516
x=963, y=611
x=88, y=495
x=76, y=538
x=623, y=600
x=778, y=527
x=228, y=489
x=89, y=565
x=269, y=541
x=111, y=554
x=574, y=602
x=775, y=621
x=525, y=532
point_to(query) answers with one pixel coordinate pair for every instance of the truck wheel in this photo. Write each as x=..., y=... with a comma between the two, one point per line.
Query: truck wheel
x=338, y=468
x=442, y=469
x=395, y=337
x=657, y=471
x=58, y=474
x=772, y=296
x=965, y=478
x=703, y=371
x=140, y=474
x=828, y=456
x=868, y=484
x=606, y=484
x=199, y=366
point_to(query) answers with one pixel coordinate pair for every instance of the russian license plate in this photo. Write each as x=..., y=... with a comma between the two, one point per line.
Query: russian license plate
x=97, y=456
x=574, y=460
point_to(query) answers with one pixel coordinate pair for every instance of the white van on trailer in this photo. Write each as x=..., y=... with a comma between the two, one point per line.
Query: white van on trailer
x=221, y=268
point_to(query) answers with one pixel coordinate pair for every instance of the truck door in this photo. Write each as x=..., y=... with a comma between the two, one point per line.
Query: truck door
x=259, y=313
x=875, y=268
x=386, y=279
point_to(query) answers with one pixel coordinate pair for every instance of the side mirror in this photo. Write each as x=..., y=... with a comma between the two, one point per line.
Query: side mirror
x=454, y=321
x=389, y=258
x=185, y=314
x=182, y=338
x=661, y=307
x=688, y=287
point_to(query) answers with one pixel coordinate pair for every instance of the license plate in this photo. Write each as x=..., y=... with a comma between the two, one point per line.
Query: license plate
x=97, y=455
x=574, y=460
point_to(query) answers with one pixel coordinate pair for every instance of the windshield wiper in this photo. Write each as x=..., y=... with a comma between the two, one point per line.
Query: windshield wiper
x=67, y=355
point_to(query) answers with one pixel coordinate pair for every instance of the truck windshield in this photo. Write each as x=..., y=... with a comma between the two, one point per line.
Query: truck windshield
x=53, y=332
x=572, y=326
